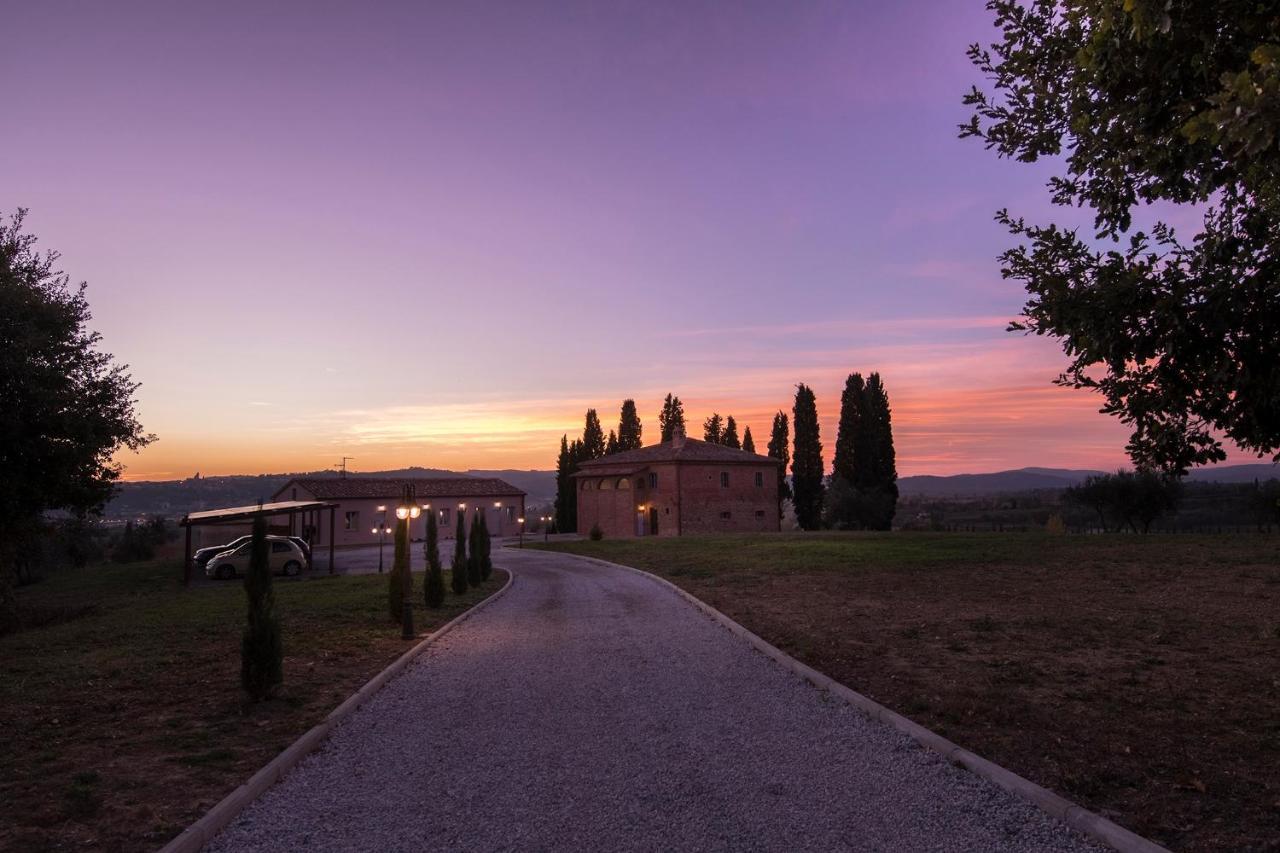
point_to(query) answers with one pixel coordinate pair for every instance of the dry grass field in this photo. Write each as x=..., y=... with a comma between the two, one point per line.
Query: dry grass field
x=1139, y=676
x=123, y=718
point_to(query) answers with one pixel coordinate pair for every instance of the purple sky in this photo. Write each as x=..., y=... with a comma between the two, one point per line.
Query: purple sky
x=449, y=228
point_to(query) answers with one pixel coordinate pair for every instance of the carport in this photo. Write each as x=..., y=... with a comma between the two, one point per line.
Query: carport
x=308, y=512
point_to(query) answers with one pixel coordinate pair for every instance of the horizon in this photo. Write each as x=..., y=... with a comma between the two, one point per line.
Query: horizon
x=503, y=216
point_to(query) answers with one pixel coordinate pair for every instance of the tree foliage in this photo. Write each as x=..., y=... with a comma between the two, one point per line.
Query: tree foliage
x=474, y=546
x=1168, y=102
x=806, y=461
x=864, y=476
x=630, y=429
x=261, y=649
x=729, y=438
x=566, y=507
x=1128, y=499
x=748, y=443
x=67, y=406
x=433, y=585
x=593, y=442
x=779, y=448
x=486, y=550
x=713, y=429
x=671, y=417
x=399, y=568
x=458, y=568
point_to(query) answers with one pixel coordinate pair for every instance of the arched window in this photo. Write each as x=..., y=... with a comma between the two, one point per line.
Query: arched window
x=586, y=485
x=606, y=484
x=624, y=483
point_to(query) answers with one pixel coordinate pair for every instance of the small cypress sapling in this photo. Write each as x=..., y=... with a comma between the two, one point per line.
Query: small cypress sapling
x=473, y=544
x=458, y=569
x=486, y=547
x=433, y=586
x=399, y=566
x=261, y=652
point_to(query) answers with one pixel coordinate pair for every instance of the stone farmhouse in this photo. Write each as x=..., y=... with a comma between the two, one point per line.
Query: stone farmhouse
x=678, y=487
x=365, y=503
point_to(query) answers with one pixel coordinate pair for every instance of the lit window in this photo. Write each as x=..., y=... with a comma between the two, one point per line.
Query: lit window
x=724, y=481
x=352, y=520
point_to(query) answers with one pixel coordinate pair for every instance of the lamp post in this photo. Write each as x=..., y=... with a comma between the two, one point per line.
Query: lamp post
x=640, y=520
x=521, y=520
x=406, y=512
x=546, y=526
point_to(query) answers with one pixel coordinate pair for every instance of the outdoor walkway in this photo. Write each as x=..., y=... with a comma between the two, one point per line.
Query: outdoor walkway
x=593, y=709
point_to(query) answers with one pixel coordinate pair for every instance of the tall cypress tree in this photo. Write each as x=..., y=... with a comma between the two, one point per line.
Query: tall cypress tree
x=879, y=484
x=629, y=427
x=713, y=429
x=611, y=444
x=845, y=462
x=474, y=546
x=261, y=649
x=730, y=436
x=399, y=567
x=748, y=443
x=806, y=461
x=671, y=416
x=486, y=550
x=593, y=436
x=566, y=487
x=458, y=569
x=433, y=586
x=779, y=448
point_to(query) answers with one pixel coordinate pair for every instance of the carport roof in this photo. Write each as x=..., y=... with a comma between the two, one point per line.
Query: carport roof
x=236, y=513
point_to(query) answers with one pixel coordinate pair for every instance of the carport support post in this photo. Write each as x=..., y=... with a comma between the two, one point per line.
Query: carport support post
x=333, y=532
x=186, y=560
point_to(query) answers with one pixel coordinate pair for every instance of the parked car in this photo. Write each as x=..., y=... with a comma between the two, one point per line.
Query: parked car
x=284, y=554
x=204, y=555
x=303, y=544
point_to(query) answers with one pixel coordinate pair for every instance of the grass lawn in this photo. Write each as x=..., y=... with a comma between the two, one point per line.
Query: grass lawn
x=1139, y=676
x=125, y=722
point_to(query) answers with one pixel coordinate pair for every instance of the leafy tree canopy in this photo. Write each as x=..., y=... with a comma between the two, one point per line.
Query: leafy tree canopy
x=1168, y=102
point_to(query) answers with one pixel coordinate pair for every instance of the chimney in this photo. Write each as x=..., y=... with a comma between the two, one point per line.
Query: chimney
x=677, y=437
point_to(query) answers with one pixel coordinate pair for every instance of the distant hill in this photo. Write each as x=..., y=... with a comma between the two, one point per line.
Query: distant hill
x=174, y=498
x=1033, y=479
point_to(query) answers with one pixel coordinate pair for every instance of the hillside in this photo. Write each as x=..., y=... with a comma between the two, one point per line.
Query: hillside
x=1034, y=479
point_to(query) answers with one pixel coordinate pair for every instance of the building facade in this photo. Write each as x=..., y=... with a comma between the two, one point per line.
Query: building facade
x=679, y=487
x=367, y=503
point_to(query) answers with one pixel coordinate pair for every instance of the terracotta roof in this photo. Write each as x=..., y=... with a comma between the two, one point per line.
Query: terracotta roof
x=332, y=488
x=692, y=450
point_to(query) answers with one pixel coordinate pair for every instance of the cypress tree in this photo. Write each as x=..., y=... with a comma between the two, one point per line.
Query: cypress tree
x=593, y=436
x=672, y=416
x=844, y=509
x=730, y=436
x=399, y=566
x=458, y=569
x=748, y=443
x=473, y=545
x=611, y=444
x=566, y=487
x=261, y=650
x=433, y=586
x=713, y=429
x=879, y=483
x=806, y=461
x=629, y=427
x=486, y=550
x=779, y=444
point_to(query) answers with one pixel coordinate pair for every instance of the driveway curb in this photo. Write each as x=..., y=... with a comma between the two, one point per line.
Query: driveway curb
x=1077, y=817
x=200, y=833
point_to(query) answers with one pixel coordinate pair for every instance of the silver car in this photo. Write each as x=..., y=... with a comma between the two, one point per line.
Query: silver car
x=285, y=558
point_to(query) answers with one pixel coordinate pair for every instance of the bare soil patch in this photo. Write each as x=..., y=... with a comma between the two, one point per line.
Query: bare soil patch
x=1138, y=676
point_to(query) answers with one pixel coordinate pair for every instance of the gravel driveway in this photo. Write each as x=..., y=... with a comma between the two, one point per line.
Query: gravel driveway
x=592, y=709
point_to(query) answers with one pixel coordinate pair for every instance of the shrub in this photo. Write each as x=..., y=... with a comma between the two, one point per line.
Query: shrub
x=261, y=655
x=473, y=561
x=459, y=567
x=134, y=545
x=433, y=586
x=399, y=568
x=486, y=548
x=1055, y=525
x=596, y=533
